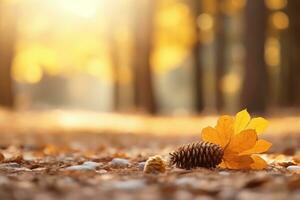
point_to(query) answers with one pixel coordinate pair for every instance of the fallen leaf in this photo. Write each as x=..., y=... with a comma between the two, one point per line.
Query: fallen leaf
x=296, y=158
x=286, y=164
x=259, y=124
x=238, y=162
x=243, y=141
x=238, y=138
x=241, y=121
x=210, y=134
x=258, y=163
x=1, y=157
x=260, y=146
x=16, y=158
x=225, y=128
x=51, y=149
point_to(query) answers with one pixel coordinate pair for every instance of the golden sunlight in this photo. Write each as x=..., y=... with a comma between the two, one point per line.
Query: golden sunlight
x=82, y=8
x=134, y=99
x=276, y=4
x=279, y=20
x=58, y=43
x=172, y=45
x=272, y=52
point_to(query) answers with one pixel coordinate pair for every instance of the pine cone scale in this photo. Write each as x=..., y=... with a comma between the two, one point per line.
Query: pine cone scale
x=200, y=154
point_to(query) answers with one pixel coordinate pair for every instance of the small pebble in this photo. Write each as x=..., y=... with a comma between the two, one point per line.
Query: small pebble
x=293, y=168
x=89, y=165
x=223, y=173
x=119, y=163
x=141, y=165
x=79, y=168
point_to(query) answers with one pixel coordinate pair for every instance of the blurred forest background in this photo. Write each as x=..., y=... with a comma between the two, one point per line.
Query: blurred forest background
x=150, y=56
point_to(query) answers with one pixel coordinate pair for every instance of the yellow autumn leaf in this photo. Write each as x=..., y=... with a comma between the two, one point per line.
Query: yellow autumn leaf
x=225, y=128
x=238, y=162
x=258, y=163
x=242, y=141
x=241, y=121
x=238, y=138
x=225, y=122
x=223, y=165
x=260, y=146
x=210, y=134
x=259, y=124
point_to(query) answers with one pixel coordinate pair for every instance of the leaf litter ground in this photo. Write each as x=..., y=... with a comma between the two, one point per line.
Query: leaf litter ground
x=81, y=165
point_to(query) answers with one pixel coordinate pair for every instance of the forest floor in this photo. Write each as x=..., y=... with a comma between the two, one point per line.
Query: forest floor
x=44, y=164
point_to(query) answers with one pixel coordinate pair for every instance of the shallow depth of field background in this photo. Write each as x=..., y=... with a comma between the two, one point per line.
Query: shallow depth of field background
x=165, y=57
x=91, y=89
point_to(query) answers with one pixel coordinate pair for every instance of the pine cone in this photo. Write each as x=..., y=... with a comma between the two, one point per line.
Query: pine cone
x=199, y=154
x=155, y=165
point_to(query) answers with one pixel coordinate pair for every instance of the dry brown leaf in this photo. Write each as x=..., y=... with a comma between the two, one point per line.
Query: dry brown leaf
x=296, y=158
x=51, y=149
x=1, y=157
x=16, y=158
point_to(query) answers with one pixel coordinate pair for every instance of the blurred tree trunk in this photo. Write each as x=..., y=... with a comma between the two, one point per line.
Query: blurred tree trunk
x=220, y=36
x=255, y=89
x=7, y=41
x=115, y=66
x=196, y=6
x=292, y=69
x=285, y=92
x=112, y=23
x=144, y=96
